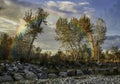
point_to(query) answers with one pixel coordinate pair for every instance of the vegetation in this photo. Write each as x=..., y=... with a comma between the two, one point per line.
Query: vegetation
x=81, y=38
x=34, y=25
x=72, y=35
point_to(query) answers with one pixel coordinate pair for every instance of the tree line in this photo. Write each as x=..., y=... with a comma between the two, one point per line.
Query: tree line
x=81, y=39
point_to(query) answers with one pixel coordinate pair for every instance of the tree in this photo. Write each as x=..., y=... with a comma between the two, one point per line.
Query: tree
x=69, y=35
x=95, y=33
x=99, y=35
x=21, y=45
x=4, y=46
x=34, y=22
x=72, y=34
x=115, y=52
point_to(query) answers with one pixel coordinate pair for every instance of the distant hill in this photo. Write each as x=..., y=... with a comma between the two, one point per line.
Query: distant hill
x=111, y=41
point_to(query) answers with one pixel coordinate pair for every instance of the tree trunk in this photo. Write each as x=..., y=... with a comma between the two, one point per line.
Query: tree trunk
x=30, y=48
x=93, y=47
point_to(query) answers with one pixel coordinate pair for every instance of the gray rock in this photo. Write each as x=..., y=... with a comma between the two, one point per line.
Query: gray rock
x=10, y=69
x=5, y=78
x=52, y=75
x=18, y=76
x=20, y=66
x=15, y=68
x=38, y=70
x=63, y=74
x=42, y=75
x=26, y=67
x=79, y=72
x=86, y=72
x=30, y=75
x=71, y=72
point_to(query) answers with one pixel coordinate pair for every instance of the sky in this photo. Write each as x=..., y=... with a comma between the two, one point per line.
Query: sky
x=12, y=12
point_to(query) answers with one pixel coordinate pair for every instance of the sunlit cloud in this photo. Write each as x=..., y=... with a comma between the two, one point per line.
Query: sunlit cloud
x=83, y=3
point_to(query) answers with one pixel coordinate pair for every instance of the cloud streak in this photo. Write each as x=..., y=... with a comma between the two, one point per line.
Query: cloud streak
x=84, y=3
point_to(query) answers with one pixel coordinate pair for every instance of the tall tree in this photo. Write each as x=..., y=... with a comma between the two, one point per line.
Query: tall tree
x=69, y=35
x=34, y=22
x=99, y=35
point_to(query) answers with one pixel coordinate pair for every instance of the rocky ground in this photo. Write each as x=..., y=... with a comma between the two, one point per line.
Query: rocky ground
x=26, y=73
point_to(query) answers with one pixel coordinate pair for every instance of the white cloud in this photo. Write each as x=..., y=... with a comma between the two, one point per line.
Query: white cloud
x=52, y=4
x=67, y=6
x=8, y=21
x=84, y=3
x=7, y=26
x=63, y=5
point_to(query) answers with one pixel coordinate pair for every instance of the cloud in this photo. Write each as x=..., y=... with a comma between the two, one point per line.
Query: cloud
x=7, y=26
x=14, y=11
x=52, y=4
x=83, y=3
x=62, y=6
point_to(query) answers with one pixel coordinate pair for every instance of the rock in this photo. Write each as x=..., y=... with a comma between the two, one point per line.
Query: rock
x=20, y=66
x=42, y=75
x=13, y=65
x=26, y=67
x=15, y=69
x=71, y=72
x=79, y=72
x=86, y=72
x=30, y=75
x=1, y=70
x=52, y=75
x=10, y=69
x=18, y=76
x=63, y=74
x=38, y=70
x=5, y=78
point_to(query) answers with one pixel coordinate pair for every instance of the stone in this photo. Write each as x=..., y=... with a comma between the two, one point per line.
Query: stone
x=20, y=66
x=6, y=78
x=18, y=76
x=15, y=69
x=52, y=75
x=86, y=72
x=30, y=75
x=38, y=70
x=79, y=72
x=42, y=75
x=63, y=74
x=71, y=72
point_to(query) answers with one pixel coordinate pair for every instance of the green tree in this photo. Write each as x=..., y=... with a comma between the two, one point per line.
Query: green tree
x=4, y=46
x=115, y=52
x=70, y=36
x=34, y=22
x=21, y=45
x=99, y=35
